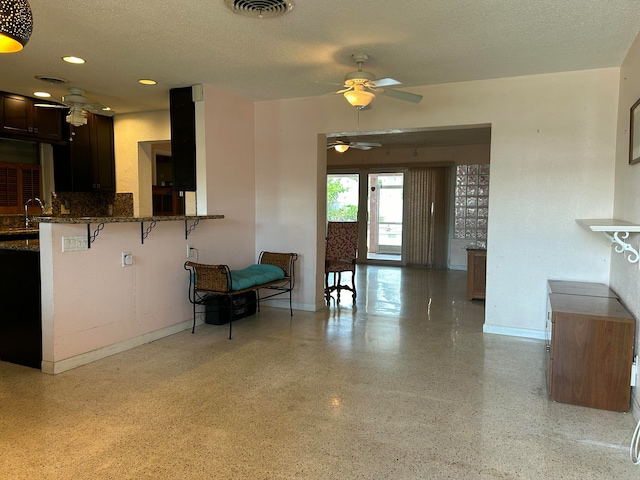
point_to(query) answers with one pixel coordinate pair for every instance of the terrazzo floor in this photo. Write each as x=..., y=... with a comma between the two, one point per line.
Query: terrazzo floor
x=403, y=385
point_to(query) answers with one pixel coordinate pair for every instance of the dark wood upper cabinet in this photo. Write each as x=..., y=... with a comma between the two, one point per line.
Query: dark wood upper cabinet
x=87, y=163
x=183, y=138
x=47, y=123
x=21, y=119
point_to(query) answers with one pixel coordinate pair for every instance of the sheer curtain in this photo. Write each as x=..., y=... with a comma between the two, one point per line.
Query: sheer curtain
x=426, y=235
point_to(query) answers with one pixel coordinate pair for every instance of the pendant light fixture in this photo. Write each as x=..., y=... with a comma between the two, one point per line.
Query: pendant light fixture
x=16, y=24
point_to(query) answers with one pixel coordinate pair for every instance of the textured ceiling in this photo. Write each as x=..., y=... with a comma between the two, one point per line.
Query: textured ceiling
x=299, y=54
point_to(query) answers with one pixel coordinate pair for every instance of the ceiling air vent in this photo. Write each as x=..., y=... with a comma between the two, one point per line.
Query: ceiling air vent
x=260, y=8
x=51, y=80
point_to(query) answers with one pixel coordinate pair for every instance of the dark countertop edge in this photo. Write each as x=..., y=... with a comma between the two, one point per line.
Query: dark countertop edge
x=157, y=218
x=22, y=245
x=19, y=231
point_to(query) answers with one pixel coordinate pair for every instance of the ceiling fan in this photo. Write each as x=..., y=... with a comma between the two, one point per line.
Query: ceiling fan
x=342, y=147
x=361, y=86
x=77, y=104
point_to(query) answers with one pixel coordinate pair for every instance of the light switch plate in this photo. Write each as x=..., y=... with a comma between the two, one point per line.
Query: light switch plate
x=75, y=243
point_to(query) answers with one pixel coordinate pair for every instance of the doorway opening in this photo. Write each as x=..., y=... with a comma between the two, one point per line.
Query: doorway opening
x=165, y=200
x=385, y=213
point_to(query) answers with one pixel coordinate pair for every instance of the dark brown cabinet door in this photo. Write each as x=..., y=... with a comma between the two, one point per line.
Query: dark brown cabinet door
x=87, y=164
x=81, y=162
x=104, y=178
x=591, y=351
x=14, y=114
x=183, y=139
x=19, y=117
x=47, y=123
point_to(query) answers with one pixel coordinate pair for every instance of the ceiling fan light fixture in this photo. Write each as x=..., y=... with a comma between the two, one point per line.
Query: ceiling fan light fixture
x=16, y=25
x=359, y=97
x=341, y=148
x=76, y=117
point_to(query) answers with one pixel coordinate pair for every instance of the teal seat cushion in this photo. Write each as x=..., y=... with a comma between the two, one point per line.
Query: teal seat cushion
x=255, y=275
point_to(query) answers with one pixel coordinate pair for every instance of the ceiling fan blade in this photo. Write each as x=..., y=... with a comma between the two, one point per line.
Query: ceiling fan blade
x=406, y=96
x=384, y=82
x=364, y=145
x=99, y=109
x=345, y=90
x=49, y=105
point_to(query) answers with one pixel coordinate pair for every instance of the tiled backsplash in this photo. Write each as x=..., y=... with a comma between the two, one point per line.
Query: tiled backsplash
x=92, y=204
x=78, y=204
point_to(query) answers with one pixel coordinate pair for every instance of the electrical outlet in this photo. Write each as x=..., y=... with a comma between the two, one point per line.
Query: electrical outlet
x=127, y=259
x=190, y=250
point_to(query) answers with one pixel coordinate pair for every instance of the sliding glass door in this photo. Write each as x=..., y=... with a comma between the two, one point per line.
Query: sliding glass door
x=385, y=213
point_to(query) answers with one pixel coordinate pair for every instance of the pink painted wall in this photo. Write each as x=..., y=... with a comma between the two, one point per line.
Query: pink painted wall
x=552, y=161
x=226, y=176
x=91, y=302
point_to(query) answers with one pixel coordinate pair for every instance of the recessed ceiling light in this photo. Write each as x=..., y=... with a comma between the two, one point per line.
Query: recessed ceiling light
x=72, y=59
x=42, y=94
x=146, y=81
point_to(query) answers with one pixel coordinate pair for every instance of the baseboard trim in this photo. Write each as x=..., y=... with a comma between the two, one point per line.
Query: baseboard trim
x=513, y=332
x=54, y=368
x=635, y=405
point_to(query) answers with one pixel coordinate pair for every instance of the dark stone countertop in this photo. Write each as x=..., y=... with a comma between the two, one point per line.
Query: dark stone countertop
x=31, y=245
x=19, y=231
x=156, y=218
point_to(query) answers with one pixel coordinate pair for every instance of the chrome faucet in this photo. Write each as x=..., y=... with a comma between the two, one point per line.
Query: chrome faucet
x=26, y=209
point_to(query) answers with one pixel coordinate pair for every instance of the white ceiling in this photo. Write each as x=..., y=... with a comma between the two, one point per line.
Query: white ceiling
x=417, y=42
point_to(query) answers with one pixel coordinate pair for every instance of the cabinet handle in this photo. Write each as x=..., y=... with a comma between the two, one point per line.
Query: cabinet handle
x=35, y=130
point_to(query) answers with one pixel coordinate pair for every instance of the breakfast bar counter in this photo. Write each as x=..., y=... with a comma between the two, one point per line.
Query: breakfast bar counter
x=90, y=286
x=106, y=219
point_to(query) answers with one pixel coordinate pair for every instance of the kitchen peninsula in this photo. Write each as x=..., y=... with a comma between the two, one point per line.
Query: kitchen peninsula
x=91, y=303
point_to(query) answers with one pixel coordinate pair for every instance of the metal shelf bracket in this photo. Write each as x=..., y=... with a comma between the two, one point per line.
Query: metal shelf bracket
x=188, y=229
x=92, y=237
x=145, y=233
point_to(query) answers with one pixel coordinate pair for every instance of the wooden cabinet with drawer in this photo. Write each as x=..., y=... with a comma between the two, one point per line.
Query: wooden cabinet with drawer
x=591, y=351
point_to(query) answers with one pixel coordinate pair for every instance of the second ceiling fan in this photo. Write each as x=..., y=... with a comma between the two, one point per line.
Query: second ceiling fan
x=342, y=146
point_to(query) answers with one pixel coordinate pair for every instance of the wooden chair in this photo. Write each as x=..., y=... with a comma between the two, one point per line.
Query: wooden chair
x=342, y=251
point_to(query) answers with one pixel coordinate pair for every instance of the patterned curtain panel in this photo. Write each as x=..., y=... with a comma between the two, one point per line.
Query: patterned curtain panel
x=426, y=235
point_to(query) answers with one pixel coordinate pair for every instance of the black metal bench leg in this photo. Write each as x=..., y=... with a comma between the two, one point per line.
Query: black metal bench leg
x=193, y=329
x=230, y=298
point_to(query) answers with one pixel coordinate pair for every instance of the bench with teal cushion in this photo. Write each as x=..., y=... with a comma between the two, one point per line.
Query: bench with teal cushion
x=253, y=275
x=273, y=272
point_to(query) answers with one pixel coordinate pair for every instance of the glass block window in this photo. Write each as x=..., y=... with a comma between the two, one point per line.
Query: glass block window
x=472, y=203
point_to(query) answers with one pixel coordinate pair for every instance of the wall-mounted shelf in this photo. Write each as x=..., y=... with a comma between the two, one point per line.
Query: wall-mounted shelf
x=617, y=232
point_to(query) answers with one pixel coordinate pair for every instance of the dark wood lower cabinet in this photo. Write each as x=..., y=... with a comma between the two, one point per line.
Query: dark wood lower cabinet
x=20, y=322
x=590, y=351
